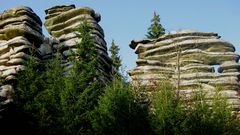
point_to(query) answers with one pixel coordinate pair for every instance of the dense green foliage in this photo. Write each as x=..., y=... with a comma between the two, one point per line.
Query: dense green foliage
x=83, y=86
x=176, y=115
x=211, y=117
x=119, y=112
x=21, y=115
x=58, y=101
x=37, y=95
x=52, y=101
x=167, y=111
x=156, y=29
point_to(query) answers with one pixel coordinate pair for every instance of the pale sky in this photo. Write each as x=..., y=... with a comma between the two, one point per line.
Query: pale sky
x=125, y=20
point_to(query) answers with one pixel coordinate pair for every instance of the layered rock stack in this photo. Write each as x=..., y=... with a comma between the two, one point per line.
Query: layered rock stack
x=20, y=32
x=62, y=23
x=21, y=36
x=191, y=60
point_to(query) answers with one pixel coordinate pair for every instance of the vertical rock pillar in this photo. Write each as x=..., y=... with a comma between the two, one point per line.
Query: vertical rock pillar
x=20, y=32
x=62, y=22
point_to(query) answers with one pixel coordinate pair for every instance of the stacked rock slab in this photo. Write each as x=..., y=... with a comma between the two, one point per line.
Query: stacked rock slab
x=20, y=32
x=62, y=22
x=191, y=57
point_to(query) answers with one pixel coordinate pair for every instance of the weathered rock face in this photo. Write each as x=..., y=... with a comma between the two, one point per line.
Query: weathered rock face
x=20, y=32
x=62, y=22
x=21, y=35
x=191, y=57
x=21, y=21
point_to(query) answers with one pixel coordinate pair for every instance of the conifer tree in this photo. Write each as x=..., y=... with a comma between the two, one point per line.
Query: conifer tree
x=29, y=84
x=48, y=100
x=114, y=50
x=119, y=112
x=156, y=29
x=37, y=95
x=82, y=85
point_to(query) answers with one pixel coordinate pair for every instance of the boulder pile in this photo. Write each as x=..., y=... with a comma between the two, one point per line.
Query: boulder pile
x=191, y=60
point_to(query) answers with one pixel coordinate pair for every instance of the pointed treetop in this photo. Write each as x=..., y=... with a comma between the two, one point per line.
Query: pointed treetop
x=156, y=29
x=114, y=50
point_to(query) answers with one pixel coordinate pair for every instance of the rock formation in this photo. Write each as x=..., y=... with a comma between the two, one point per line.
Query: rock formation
x=20, y=34
x=62, y=22
x=190, y=60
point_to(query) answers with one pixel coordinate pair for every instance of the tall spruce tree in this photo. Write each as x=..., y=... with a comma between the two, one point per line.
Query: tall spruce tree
x=156, y=29
x=82, y=85
x=114, y=50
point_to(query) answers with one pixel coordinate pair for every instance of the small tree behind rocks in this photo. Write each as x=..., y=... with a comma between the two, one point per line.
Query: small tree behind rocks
x=156, y=29
x=114, y=50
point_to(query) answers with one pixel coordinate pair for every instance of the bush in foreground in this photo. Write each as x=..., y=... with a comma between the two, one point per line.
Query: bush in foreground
x=119, y=112
x=173, y=115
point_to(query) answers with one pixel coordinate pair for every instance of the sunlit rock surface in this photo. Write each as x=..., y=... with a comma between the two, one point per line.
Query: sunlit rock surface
x=20, y=35
x=62, y=23
x=200, y=60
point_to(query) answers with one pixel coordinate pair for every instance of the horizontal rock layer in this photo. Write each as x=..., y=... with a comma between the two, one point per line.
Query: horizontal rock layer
x=21, y=21
x=21, y=38
x=20, y=34
x=199, y=60
x=62, y=23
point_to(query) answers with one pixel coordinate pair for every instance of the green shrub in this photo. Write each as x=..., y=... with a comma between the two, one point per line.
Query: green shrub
x=199, y=116
x=47, y=101
x=211, y=116
x=168, y=113
x=29, y=84
x=119, y=113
